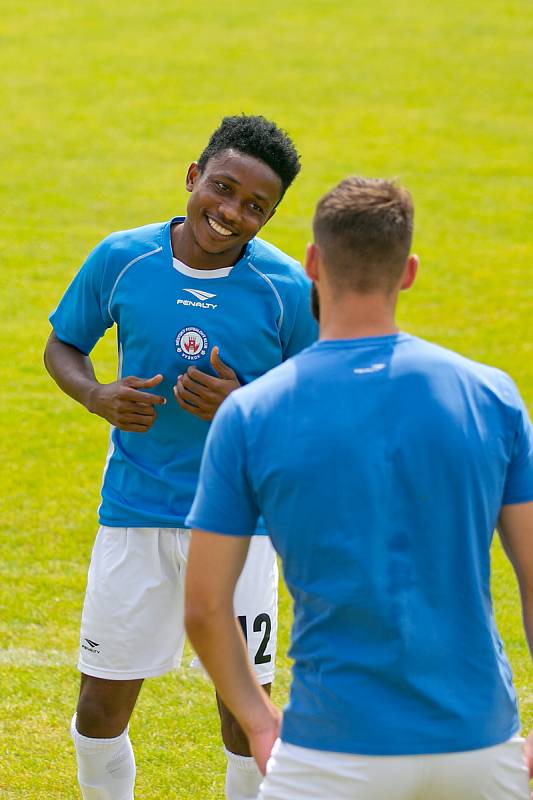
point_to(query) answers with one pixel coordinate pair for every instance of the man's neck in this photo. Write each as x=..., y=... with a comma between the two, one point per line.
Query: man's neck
x=358, y=317
x=186, y=250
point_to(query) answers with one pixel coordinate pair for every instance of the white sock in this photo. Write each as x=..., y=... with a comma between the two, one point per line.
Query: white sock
x=243, y=777
x=106, y=767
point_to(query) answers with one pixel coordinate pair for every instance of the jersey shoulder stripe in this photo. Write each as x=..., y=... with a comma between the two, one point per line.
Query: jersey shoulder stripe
x=274, y=290
x=123, y=272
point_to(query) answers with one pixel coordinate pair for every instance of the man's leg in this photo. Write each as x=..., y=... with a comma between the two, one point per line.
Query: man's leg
x=242, y=775
x=131, y=629
x=99, y=728
x=255, y=603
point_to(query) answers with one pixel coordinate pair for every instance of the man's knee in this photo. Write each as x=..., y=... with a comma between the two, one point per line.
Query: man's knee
x=104, y=707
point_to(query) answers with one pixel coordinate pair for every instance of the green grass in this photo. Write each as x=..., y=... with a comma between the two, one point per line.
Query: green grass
x=104, y=105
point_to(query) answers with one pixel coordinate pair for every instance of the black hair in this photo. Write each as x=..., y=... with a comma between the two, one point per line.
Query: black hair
x=259, y=138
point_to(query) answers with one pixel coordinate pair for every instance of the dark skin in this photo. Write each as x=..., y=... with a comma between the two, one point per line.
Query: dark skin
x=201, y=394
x=230, y=201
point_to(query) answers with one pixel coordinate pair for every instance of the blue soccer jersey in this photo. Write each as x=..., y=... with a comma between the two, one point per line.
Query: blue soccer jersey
x=380, y=466
x=169, y=317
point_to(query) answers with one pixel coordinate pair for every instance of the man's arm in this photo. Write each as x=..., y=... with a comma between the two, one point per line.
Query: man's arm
x=515, y=527
x=516, y=533
x=214, y=565
x=119, y=402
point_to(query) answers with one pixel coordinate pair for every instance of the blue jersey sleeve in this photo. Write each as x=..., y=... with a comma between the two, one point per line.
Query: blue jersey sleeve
x=300, y=329
x=519, y=479
x=82, y=315
x=224, y=501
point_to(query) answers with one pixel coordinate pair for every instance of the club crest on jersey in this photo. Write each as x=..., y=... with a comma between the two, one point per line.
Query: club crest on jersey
x=191, y=343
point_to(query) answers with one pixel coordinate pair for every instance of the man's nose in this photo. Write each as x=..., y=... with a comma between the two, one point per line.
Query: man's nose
x=229, y=209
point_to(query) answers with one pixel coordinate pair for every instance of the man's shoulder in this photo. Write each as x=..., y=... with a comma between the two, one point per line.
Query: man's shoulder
x=274, y=263
x=135, y=241
x=442, y=360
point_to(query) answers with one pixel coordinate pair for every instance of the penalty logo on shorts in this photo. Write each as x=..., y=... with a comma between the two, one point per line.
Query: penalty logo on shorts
x=191, y=343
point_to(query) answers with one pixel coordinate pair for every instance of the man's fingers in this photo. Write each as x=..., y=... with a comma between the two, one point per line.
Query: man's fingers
x=218, y=365
x=195, y=410
x=146, y=383
x=144, y=398
x=129, y=408
x=204, y=390
x=143, y=383
x=185, y=394
x=132, y=428
x=195, y=376
x=138, y=418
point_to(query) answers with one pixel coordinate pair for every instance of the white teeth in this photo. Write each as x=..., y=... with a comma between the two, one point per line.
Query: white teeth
x=218, y=228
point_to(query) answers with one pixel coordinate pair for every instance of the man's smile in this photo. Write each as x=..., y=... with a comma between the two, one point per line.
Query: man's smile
x=218, y=228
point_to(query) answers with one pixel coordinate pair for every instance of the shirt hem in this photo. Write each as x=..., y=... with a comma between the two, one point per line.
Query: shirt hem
x=192, y=522
x=418, y=749
x=180, y=524
x=517, y=500
x=142, y=523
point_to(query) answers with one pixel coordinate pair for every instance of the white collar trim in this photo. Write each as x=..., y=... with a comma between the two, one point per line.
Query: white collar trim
x=203, y=274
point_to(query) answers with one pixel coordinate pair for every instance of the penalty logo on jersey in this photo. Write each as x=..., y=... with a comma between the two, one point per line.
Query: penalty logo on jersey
x=191, y=343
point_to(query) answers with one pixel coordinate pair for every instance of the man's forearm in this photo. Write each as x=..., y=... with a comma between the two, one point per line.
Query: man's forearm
x=218, y=640
x=516, y=532
x=527, y=615
x=72, y=370
x=214, y=565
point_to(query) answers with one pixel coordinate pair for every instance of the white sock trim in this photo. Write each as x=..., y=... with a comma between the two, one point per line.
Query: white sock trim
x=87, y=743
x=246, y=763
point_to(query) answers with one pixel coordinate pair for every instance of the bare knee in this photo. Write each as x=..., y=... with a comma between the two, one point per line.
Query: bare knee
x=105, y=707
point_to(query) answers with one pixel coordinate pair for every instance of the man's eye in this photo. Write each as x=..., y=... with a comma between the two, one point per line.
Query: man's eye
x=256, y=208
x=222, y=186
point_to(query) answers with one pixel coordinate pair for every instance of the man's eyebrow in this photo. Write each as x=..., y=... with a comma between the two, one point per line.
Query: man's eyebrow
x=233, y=179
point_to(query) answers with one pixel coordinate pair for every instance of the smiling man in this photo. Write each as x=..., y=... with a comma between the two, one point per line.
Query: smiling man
x=201, y=306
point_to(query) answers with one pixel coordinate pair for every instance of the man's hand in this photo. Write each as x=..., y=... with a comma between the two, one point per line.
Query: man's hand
x=124, y=406
x=261, y=742
x=201, y=394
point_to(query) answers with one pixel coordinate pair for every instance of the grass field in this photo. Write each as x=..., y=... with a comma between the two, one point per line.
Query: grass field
x=104, y=106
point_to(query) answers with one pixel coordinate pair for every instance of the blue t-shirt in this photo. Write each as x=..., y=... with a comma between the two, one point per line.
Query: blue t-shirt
x=380, y=466
x=169, y=317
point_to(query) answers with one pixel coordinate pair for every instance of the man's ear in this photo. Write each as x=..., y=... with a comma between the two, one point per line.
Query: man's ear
x=411, y=268
x=311, y=261
x=192, y=176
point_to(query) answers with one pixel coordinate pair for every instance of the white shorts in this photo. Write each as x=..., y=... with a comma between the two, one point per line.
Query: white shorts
x=132, y=623
x=493, y=773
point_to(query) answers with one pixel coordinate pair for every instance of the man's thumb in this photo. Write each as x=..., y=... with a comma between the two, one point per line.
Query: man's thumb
x=153, y=381
x=145, y=383
x=218, y=365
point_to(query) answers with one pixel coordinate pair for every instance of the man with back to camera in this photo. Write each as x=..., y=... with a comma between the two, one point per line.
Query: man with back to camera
x=201, y=306
x=381, y=464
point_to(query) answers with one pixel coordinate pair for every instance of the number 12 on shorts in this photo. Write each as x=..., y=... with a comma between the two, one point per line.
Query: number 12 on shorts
x=262, y=624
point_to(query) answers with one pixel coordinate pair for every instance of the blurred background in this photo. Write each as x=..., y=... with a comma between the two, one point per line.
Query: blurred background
x=105, y=104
